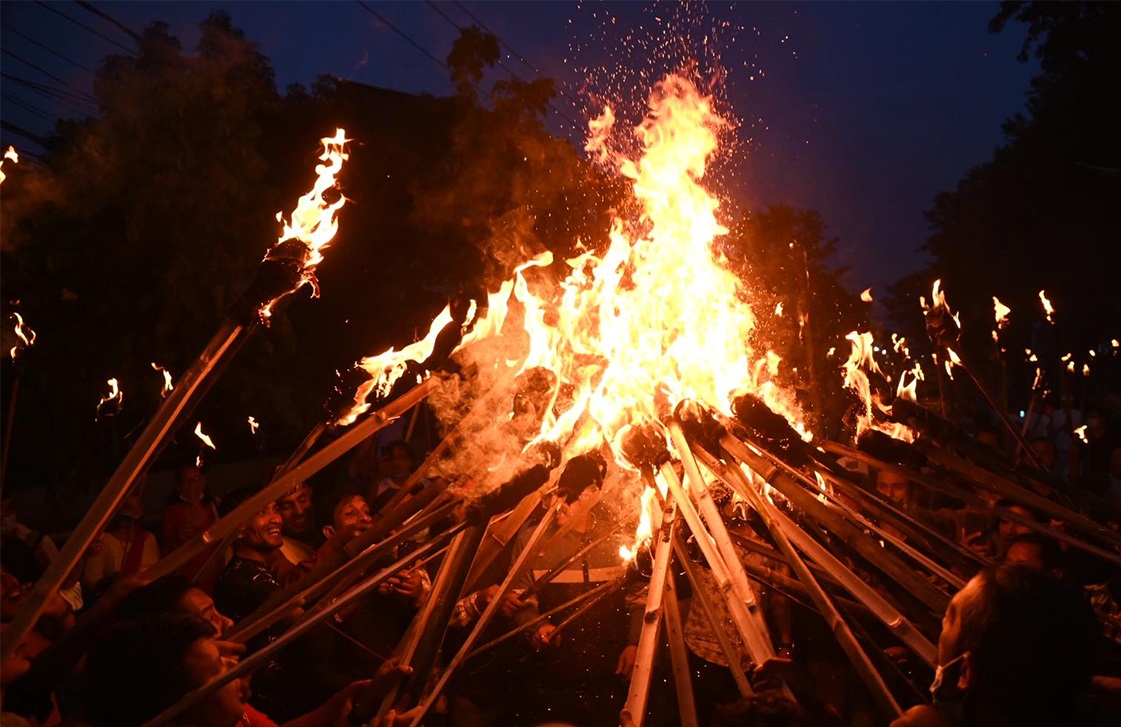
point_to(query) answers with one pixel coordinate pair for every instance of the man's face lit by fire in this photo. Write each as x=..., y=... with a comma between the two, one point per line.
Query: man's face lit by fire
x=295, y=511
x=197, y=603
x=202, y=664
x=262, y=533
x=352, y=518
x=893, y=487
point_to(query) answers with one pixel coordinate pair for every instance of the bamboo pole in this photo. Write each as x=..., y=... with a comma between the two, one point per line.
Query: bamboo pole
x=589, y=599
x=547, y=578
x=879, y=606
x=177, y=406
x=763, y=648
x=309, y=621
x=701, y=596
x=782, y=479
x=973, y=499
x=288, y=479
x=679, y=656
x=262, y=619
x=841, y=631
x=741, y=603
x=495, y=604
x=648, y=640
x=1002, y=415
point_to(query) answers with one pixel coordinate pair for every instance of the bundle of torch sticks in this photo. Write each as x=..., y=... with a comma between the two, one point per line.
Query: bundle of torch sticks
x=877, y=576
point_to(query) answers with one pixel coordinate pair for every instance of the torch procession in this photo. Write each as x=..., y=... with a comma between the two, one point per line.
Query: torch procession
x=581, y=429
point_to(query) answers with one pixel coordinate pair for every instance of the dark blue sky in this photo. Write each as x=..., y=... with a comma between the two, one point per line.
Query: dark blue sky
x=862, y=111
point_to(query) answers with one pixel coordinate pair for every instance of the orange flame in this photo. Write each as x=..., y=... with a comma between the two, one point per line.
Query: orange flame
x=645, y=529
x=866, y=295
x=10, y=154
x=386, y=368
x=314, y=222
x=112, y=400
x=167, y=386
x=1050, y=311
x=25, y=335
x=862, y=357
x=203, y=437
x=252, y=425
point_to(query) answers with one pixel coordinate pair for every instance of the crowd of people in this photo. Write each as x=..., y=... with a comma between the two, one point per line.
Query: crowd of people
x=1034, y=637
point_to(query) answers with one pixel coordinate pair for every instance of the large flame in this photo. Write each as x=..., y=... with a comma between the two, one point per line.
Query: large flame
x=862, y=359
x=314, y=221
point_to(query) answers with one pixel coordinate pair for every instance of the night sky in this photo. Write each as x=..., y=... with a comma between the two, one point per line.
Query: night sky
x=862, y=111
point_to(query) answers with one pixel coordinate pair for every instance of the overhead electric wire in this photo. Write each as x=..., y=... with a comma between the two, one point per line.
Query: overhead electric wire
x=57, y=95
x=89, y=7
x=20, y=131
x=34, y=110
x=502, y=65
x=50, y=50
x=82, y=25
x=48, y=74
x=506, y=45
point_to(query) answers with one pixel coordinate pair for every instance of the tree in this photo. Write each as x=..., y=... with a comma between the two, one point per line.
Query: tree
x=782, y=254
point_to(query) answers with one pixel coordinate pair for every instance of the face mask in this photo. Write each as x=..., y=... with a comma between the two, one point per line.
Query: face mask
x=945, y=693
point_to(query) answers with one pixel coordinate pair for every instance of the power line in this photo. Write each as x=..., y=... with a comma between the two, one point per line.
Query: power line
x=506, y=45
x=20, y=131
x=513, y=75
x=401, y=33
x=50, y=50
x=89, y=7
x=80, y=24
x=48, y=74
x=34, y=110
x=57, y=95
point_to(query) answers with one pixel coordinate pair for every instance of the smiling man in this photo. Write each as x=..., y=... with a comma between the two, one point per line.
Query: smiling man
x=246, y=581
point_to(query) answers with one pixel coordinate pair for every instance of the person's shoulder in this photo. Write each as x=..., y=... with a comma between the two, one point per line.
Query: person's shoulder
x=922, y=715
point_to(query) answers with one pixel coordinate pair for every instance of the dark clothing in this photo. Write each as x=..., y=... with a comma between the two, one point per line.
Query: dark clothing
x=243, y=586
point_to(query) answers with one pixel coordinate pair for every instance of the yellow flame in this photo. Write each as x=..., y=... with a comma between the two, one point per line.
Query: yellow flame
x=203, y=437
x=167, y=386
x=115, y=395
x=313, y=221
x=1081, y=432
x=1047, y=307
x=10, y=154
x=1001, y=312
x=645, y=529
x=866, y=295
x=1085, y=369
x=386, y=368
x=778, y=309
x=252, y=424
x=25, y=335
x=938, y=301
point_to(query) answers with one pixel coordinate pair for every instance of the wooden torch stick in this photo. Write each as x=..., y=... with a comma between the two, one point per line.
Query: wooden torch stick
x=310, y=620
x=841, y=631
x=286, y=480
x=679, y=657
x=178, y=405
x=759, y=644
x=648, y=640
x=701, y=595
x=488, y=614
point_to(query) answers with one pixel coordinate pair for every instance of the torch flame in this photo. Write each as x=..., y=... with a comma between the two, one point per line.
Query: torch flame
x=167, y=386
x=111, y=403
x=25, y=335
x=252, y=425
x=386, y=368
x=1047, y=307
x=203, y=437
x=314, y=222
x=13, y=156
x=1081, y=432
x=866, y=295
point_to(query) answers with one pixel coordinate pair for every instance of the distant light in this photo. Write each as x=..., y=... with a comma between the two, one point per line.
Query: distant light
x=1022, y=414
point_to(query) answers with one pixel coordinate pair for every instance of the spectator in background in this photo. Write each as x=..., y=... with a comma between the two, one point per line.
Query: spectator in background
x=123, y=549
x=1035, y=551
x=1045, y=452
x=397, y=464
x=23, y=552
x=190, y=512
x=1007, y=529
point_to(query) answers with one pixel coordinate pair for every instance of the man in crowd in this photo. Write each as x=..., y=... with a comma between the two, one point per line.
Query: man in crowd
x=247, y=581
x=301, y=537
